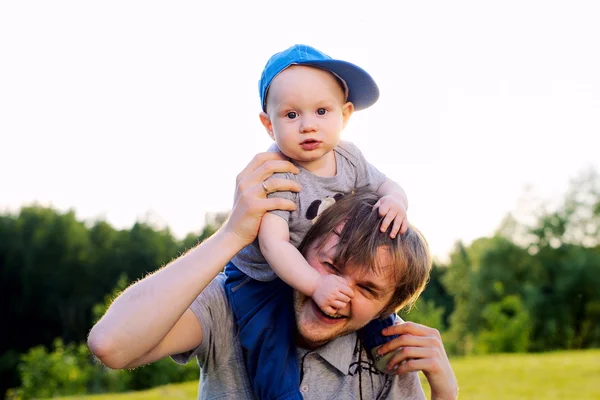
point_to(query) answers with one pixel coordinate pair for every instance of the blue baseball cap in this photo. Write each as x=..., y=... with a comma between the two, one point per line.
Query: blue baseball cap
x=361, y=89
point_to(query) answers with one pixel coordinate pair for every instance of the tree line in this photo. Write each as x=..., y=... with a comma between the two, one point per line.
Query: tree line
x=55, y=269
x=528, y=287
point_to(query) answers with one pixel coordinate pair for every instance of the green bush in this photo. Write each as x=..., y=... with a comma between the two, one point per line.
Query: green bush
x=162, y=372
x=425, y=312
x=63, y=371
x=71, y=369
x=156, y=374
x=507, y=327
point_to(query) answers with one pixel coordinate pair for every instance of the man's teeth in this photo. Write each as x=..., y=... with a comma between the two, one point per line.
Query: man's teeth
x=332, y=316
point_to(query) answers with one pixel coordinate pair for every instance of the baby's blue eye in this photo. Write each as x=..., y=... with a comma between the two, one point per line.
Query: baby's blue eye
x=291, y=115
x=321, y=111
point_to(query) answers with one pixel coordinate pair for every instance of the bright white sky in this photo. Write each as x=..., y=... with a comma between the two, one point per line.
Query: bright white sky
x=120, y=108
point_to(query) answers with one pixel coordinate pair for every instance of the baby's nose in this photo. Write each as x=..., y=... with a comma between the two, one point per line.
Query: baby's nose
x=307, y=125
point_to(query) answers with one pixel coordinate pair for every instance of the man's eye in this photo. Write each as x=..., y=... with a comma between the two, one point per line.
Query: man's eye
x=330, y=266
x=321, y=111
x=367, y=291
x=291, y=115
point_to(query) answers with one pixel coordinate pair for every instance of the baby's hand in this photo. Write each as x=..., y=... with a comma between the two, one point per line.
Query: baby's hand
x=332, y=293
x=392, y=208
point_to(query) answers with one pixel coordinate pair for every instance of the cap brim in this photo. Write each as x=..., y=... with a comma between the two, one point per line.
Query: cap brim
x=362, y=89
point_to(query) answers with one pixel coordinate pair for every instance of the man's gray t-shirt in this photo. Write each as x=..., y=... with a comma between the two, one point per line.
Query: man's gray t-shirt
x=318, y=192
x=340, y=369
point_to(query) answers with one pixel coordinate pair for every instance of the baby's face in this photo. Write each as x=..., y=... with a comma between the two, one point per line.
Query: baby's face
x=306, y=113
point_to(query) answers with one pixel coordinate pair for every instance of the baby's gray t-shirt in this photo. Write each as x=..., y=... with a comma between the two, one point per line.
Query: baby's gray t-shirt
x=318, y=192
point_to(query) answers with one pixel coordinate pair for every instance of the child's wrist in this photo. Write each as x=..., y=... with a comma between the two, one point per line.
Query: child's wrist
x=312, y=287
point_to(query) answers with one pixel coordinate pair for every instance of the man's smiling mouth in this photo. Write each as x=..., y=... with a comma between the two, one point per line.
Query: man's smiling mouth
x=331, y=316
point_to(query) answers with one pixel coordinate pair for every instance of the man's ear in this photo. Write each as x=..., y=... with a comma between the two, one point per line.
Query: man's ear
x=266, y=121
x=347, y=110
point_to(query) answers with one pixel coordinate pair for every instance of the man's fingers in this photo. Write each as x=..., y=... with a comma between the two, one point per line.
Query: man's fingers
x=276, y=203
x=268, y=168
x=263, y=173
x=280, y=185
x=259, y=160
x=408, y=340
x=411, y=365
x=407, y=353
x=413, y=328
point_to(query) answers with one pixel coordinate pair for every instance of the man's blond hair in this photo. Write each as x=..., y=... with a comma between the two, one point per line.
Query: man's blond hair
x=360, y=239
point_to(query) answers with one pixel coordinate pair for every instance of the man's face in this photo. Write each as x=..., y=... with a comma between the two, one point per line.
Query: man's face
x=372, y=292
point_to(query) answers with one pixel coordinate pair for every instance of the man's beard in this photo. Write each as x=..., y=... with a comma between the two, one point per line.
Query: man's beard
x=311, y=333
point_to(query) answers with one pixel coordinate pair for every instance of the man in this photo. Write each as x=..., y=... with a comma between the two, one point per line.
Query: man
x=182, y=309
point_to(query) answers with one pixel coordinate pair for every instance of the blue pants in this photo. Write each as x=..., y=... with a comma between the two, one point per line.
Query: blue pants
x=267, y=327
x=265, y=318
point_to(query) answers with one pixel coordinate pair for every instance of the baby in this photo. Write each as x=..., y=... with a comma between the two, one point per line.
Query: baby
x=307, y=99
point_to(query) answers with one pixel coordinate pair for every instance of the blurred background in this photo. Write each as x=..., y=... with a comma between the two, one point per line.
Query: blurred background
x=124, y=124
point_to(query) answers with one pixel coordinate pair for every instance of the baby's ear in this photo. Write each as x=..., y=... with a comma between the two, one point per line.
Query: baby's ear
x=266, y=121
x=347, y=110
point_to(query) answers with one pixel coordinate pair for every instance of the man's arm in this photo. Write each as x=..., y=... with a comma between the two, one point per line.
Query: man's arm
x=330, y=292
x=151, y=319
x=147, y=321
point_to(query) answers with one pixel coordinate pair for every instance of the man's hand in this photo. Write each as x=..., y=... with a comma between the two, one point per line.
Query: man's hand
x=420, y=348
x=393, y=209
x=252, y=186
x=332, y=293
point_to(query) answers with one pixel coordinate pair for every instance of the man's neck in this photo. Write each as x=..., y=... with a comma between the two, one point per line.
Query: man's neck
x=308, y=345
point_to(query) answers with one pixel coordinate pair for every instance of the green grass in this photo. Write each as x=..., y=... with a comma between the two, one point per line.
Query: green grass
x=188, y=390
x=548, y=376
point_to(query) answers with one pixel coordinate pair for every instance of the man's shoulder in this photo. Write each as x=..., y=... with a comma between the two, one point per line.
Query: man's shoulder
x=211, y=308
x=216, y=286
x=212, y=301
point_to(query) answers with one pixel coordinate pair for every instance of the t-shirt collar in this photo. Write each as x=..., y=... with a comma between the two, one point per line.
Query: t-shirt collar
x=339, y=352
